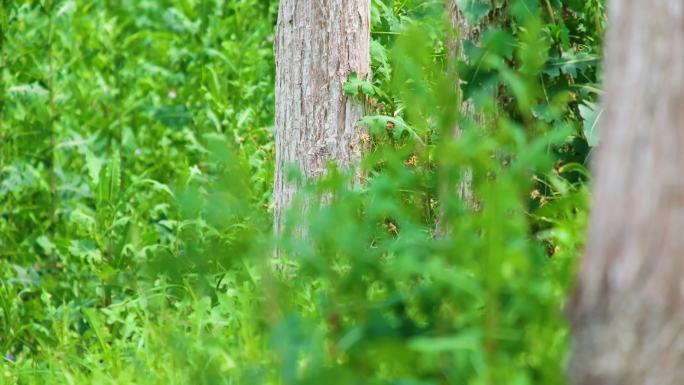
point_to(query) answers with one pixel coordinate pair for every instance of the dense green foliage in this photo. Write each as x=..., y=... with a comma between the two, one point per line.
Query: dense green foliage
x=136, y=164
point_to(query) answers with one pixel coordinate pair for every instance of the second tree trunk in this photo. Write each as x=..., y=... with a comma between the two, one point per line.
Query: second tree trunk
x=628, y=312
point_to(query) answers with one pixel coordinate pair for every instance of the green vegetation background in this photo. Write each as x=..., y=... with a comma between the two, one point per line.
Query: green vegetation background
x=136, y=164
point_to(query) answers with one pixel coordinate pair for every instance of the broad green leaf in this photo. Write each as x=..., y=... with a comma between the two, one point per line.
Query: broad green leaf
x=570, y=63
x=45, y=243
x=354, y=86
x=462, y=341
x=110, y=181
x=474, y=10
x=591, y=114
x=395, y=126
x=94, y=166
x=86, y=250
x=174, y=116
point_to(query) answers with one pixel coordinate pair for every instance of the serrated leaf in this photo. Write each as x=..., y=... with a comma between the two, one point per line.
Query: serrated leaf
x=379, y=124
x=380, y=59
x=82, y=218
x=86, y=250
x=33, y=91
x=159, y=187
x=94, y=166
x=570, y=63
x=354, y=86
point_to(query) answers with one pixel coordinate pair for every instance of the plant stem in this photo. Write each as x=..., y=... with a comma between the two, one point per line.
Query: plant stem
x=549, y=9
x=3, y=24
x=51, y=121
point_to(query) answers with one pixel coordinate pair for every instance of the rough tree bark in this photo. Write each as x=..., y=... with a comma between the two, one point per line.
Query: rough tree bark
x=318, y=44
x=628, y=310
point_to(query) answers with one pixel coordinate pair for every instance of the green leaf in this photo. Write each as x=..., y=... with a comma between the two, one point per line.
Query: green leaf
x=464, y=341
x=396, y=126
x=173, y=116
x=86, y=250
x=570, y=63
x=110, y=181
x=354, y=86
x=29, y=92
x=591, y=114
x=474, y=10
x=94, y=166
x=46, y=244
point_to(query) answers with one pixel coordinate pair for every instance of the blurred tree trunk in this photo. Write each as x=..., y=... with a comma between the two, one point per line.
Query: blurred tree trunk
x=464, y=31
x=318, y=44
x=628, y=309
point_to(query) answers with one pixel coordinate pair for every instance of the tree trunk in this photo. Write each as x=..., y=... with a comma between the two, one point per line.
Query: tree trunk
x=628, y=310
x=465, y=32
x=318, y=44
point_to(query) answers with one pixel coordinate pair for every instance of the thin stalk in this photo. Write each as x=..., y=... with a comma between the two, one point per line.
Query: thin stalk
x=549, y=9
x=51, y=119
x=3, y=24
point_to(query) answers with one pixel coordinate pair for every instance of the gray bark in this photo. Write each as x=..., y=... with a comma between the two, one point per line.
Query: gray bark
x=464, y=32
x=318, y=44
x=628, y=308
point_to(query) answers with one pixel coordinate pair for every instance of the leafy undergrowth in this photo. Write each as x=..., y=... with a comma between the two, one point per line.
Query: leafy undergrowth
x=136, y=171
